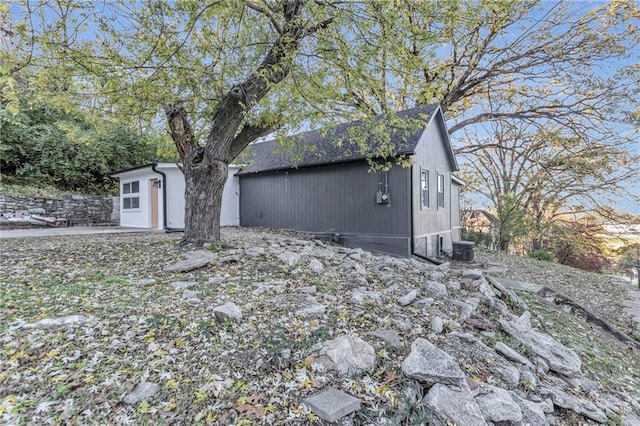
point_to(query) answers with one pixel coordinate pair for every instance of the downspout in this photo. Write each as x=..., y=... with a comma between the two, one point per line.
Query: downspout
x=413, y=247
x=164, y=200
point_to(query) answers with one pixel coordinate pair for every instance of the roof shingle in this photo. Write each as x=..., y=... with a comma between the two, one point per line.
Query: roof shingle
x=316, y=147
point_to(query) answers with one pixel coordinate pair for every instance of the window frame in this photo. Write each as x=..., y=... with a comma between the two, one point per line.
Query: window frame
x=424, y=189
x=131, y=195
x=441, y=188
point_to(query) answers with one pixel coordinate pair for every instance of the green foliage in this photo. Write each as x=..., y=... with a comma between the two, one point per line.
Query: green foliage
x=481, y=239
x=46, y=147
x=542, y=255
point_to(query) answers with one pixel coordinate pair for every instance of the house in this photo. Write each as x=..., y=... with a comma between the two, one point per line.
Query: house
x=152, y=196
x=329, y=189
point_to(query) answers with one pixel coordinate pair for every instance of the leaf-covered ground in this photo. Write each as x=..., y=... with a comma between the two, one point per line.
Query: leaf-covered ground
x=255, y=371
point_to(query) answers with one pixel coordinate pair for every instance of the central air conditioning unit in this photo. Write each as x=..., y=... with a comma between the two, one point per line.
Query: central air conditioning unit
x=382, y=197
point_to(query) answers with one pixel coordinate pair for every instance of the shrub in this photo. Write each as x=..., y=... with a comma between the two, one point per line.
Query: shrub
x=542, y=255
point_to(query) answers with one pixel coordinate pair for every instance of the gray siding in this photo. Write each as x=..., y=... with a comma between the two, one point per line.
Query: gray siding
x=455, y=212
x=433, y=223
x=338, y=197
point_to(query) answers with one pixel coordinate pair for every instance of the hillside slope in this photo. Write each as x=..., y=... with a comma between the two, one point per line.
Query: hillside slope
x=95, y=330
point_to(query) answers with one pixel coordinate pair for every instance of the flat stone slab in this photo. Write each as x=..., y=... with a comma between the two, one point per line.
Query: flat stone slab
x=332, y=404
x=193, y=260
x=518, y=285
x=55, y=322
x=427, y=363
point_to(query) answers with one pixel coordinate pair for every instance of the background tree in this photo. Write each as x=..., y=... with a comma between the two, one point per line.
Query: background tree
x=48, y=147
x=208, y=67
x=226, y=73
x=536, y=176
x=543, y=98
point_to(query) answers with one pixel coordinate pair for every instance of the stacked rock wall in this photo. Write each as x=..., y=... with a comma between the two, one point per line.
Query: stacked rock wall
x=86, y=208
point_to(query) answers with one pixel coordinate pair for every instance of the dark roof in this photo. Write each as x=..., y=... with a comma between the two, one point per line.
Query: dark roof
x=317, y=147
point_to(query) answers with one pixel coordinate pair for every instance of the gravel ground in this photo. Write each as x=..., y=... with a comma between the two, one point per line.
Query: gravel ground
x=256, y=371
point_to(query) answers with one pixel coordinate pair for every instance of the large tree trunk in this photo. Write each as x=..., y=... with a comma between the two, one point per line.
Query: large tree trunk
x=204, y=184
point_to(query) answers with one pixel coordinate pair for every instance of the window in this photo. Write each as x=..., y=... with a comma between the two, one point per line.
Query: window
x=424, y=188
x=131, y=195
x=440, y=190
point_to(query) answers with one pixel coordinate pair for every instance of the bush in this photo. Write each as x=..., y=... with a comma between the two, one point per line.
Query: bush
x=542, y=255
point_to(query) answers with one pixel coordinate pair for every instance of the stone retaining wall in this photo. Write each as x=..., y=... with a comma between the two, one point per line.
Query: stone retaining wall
x=81, y=208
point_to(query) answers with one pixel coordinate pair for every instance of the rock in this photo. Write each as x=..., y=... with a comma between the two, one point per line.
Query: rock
x=144, y=282
x=472, y=274
x=435, y=289
x=528, y=380
x=497, y=405
x=347, y=355
x=408, y=298
x=511, y=353
x=466, y=309
x=524, y=321
x=190, y=295
x=390, y=337
x=182, y=285
x=227, y=312
x=578, y=405
x=288, y=257
x=193, y=260
x=469, y=350
x=323, y=252
x=315, y=310
x=437, y=276
x=558, y=357
x=495, y=268
x=254, y=251
x=402, y=322
x=437, y=326
x=332, y=404
x=423, y=302
x=532, y=413
x=452, y=405
x=541, y=366
x=315, y=265
x=55, y=322
x=141, y=392
x=485, y=289
x=428, y=363
x=231, y=257
x=361, y=295
x=453, y=286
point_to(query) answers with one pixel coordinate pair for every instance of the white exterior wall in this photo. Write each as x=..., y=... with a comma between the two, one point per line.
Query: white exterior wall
x=175, y=196
x=230, y=214
x=174, y=182
x=140, y=217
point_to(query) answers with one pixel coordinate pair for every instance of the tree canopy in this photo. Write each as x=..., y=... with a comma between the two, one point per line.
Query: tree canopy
x=561, y=77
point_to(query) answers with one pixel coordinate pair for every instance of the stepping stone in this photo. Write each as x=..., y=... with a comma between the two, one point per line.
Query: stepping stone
x=332, y=404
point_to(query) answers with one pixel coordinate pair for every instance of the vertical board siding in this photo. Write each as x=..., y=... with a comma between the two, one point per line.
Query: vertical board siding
x=334, y=197
x=431, y=155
